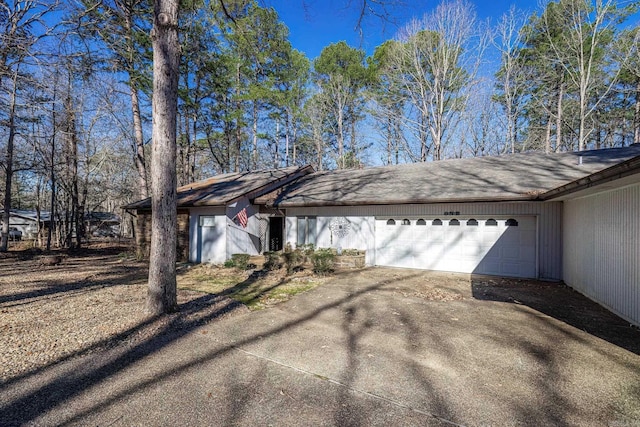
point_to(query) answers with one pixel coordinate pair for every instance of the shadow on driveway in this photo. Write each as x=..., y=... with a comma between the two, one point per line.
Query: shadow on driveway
x=358, y=350
x=561, y=302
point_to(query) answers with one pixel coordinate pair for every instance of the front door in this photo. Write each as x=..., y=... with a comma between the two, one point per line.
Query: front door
x=276, y=233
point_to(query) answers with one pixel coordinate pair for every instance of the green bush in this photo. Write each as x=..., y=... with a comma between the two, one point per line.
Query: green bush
x=240, y=261
x=323, y=260
x=272, y=261
x=293, y=260
x=307, y=249
x=229, y=263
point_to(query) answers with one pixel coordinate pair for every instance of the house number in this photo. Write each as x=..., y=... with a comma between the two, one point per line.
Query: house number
x=452, y=213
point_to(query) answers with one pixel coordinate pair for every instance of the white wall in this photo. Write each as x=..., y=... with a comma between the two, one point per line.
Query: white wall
x=360, y=236
x=549, y=216
x=601, y=235
x=242, y=240
x=207, y=244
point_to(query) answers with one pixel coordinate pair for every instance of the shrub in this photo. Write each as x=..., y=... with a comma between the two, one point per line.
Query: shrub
x=272, y=261
x=307, y=249
x=229, y=263
x=240, y=261
x=293, y=260
x=352, y=252
x=323, y=260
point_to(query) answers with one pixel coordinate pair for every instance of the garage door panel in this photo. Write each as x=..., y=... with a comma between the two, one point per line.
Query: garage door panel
x=470, y=247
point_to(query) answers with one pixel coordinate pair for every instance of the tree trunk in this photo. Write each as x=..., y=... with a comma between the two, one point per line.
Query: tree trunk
x=4, y=238
x=389, y=141
x=547, y=136
x=254, y=154
x=161, y=297
x=238, y=141
x=276, y=159
x=75, y=219
x=559, y=117
x=140, y=162
x=52, y=159
x=636, y=116
x=294, y=137
x=38, y=217
x=193, y=153
x=286, y=141
x=340, y=138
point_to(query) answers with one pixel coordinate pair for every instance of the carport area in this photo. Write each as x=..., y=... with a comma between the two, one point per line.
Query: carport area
x=380, y=346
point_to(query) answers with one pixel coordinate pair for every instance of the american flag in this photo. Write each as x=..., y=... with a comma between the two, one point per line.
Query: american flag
x=242, y=218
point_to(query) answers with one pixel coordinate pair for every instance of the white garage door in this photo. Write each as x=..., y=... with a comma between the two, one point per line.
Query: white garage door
x=496, y=246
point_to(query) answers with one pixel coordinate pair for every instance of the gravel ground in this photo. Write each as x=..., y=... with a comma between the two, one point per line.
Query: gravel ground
x=91, y=300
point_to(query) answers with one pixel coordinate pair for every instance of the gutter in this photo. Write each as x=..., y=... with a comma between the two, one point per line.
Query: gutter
x=621, y=170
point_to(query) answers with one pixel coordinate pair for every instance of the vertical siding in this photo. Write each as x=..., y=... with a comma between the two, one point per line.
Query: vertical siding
x=194, y=244
x=243, y=240
x=602, y=249
x=549, y=216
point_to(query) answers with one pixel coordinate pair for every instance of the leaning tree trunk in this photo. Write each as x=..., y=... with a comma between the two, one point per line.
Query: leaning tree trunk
x=161, y=296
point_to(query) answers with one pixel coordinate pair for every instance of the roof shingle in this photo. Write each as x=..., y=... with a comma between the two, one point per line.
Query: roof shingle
x=522, y=176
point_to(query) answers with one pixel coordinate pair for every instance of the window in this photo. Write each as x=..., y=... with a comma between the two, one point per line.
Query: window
x=511, y=223
x=437, y=222
x=421, y=222
x=306, y=230
x=472, y=222
x=491, y=222
x=406, y=222
x=391, y=222
x=207, y=221
x=454, y=222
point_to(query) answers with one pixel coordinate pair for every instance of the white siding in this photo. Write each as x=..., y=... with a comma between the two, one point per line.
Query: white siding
x=602, y=249
x=207, y=244
x=243, y=240
x=549, y=216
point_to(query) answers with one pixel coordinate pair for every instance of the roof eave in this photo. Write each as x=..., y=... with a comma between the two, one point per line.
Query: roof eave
x=621, y=170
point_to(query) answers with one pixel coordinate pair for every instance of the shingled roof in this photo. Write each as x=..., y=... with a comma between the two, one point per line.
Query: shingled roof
x=221, y=190
x=514, y=177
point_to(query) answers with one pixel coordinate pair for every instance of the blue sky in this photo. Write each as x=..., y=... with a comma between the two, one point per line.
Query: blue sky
x=314, y=24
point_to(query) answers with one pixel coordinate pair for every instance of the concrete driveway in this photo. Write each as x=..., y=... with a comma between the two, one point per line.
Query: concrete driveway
x=374, y=347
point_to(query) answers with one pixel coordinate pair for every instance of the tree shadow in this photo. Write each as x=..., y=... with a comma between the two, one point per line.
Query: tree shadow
x=165, y=330
x=358, y=320
x=560, y=302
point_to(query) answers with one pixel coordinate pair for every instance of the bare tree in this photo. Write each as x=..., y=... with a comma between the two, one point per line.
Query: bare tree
x=581, y=48
x=17, y=41
x=512, y=78
x=438, y=62
x=119, y=24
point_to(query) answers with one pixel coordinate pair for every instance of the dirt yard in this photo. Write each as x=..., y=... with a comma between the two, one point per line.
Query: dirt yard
x=95, y=298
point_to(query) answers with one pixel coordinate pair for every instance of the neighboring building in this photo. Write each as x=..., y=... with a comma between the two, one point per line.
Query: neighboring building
x=26, y=221
x=102, y=224
x=98, y=224
x=561, y=216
